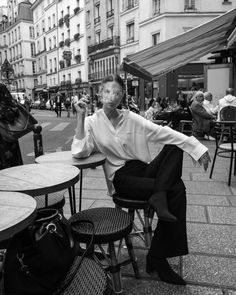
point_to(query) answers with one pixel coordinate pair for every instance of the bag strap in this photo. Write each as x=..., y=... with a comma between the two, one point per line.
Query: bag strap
x=63, y=288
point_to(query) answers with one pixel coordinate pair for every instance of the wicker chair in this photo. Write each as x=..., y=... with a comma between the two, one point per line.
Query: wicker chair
x=90, y=279
x=111, y=225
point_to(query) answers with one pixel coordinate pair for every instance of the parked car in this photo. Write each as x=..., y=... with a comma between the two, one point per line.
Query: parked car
x=36, y=103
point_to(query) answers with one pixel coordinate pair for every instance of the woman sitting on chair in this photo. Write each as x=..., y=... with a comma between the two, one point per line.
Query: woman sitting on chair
x=123, y=137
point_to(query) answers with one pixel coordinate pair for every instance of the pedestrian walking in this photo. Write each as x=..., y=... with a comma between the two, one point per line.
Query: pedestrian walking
x=123, y=137
x=58, y=102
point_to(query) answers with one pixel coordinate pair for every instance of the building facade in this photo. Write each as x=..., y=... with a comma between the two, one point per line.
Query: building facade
x=16, y=39
x=103, y=40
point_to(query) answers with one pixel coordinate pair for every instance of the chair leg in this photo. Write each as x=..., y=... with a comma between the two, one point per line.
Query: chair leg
x=234, y=163
x=132, y=256
x=115, y=270
x=230, y=167
x=147, y=228
x=213, y=163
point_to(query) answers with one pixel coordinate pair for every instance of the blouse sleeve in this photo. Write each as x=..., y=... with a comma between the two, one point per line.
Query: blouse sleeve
x=166, y=135
x=82, y=148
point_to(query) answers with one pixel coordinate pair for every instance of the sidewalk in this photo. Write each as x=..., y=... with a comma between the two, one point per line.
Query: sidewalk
x=210, y=267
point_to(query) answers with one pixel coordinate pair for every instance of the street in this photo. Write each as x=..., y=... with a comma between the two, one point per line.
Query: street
x=57, y=133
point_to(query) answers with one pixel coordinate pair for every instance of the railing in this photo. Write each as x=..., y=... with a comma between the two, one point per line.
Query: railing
x=188, y=8
x=68, y=82
x=97, y=20
x=114, y=41
x=78, y=58
x=110, y=13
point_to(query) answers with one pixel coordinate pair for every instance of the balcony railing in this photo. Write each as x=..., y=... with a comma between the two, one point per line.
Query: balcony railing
x=97, y=20
x=68, y=82
x=63, y=83
x=62, y=64
x=110, y=13
x=114, y=41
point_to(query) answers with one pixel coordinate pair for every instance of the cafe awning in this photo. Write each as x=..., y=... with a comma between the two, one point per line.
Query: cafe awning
x=182, y=49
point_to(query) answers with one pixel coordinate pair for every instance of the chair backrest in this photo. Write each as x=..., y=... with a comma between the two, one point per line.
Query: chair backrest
x=228, y=113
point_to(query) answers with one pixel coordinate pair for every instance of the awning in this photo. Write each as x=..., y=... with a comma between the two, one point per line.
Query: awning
x=182, y=49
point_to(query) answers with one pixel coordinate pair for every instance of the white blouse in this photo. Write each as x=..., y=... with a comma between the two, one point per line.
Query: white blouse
x=128, y=141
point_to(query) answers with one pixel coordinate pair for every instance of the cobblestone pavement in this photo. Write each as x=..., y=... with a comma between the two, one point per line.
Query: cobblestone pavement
x=210, y=267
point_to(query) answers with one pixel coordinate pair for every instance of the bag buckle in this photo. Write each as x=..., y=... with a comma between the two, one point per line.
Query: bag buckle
x=51, y=227
x=24, y=267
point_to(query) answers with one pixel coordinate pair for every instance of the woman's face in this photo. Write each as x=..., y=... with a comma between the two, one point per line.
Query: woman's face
x=112, y=94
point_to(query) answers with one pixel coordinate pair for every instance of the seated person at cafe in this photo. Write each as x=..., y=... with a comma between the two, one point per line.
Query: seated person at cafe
x=228, y=100
x=202, y=120
x=154, y=108
x=208, y=105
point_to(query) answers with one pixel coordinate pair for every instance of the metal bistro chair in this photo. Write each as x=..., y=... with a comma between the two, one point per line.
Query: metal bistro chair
x=111, y=225
x=225, y=138
x=142, y=210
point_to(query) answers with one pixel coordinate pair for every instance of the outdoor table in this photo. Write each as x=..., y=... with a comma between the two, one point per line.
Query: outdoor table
x=36, y=180
x=65, y=157
x=17, y=211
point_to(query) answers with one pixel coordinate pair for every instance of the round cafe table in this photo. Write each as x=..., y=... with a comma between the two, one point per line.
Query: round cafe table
x=65, y=157
x=17, y=211
x=36, y=180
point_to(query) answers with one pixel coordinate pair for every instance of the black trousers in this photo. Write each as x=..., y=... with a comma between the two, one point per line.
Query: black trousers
x=138, y=180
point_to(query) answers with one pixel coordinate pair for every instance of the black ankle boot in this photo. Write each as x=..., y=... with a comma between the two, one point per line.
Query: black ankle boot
x=158, y=202
x=164, y=271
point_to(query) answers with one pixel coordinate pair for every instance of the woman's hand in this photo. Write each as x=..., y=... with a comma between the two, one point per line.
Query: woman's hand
x=81, y=106
x=205, y=160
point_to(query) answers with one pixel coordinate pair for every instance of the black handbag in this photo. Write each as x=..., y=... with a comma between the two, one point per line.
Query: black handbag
x=38, y=258
x=21, y=123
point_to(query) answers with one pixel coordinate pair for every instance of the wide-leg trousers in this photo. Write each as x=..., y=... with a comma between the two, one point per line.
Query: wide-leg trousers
x=138, y=180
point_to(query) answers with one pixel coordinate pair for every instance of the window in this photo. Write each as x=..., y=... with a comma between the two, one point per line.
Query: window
x=50, y=65
x=155, y=38
x=31, y=31
x=33, y=67
x=88, y=17
x=69, y=77
x=89, y=40
x=4, y=40
x=156, y=6
x=32, y=47
x=50, y=44
x=37, y=30
x=130, y=32
x=97, y=37
x=55, y=64
x=43, y=25
x=110, y=6
x=19, y=35
x=189, y=4
x=49, y=23
x=54, y=41
x=62, y=37
x=78, y=28
x=68, y=34
x=110, y=32
x=97, y=10
x=62, y=13
x=53, y=20
x=68, y=10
